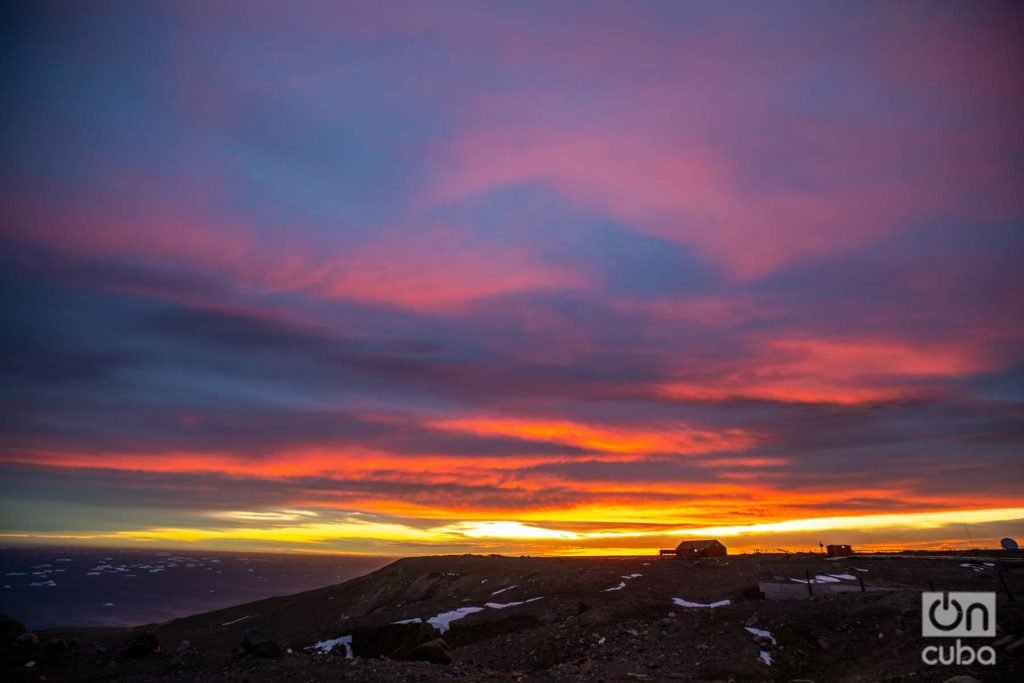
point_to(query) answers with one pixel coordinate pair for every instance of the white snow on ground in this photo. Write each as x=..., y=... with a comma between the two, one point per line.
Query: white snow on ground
x=687, y=603
x=326, y=646
x=502, y=590
x=766, y=657
x=442, y=622
x=601, y=642
x=860, y=570
x=43, y=583
x=228, y=623
x=622, y=584
x=108, y=604
x=827, y=578
x=500, y=605
x=761, y=633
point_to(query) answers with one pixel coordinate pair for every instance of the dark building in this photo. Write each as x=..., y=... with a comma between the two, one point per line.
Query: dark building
x=711, y=548
x=839, y=550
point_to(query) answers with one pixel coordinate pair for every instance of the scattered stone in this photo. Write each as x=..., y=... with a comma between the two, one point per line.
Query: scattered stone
x=752, y=621
x=824, y=644
x=257, y=643
x=140, y=645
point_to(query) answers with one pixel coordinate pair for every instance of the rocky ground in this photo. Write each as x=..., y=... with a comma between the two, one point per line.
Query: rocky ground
x=474, y=618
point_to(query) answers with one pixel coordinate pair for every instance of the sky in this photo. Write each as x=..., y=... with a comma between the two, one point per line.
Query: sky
x=533, y=277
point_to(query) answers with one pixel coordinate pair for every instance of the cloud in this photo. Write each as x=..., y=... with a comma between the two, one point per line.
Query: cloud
x=530, y=266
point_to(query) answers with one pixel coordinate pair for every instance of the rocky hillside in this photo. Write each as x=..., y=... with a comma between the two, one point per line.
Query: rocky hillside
x=560, y=619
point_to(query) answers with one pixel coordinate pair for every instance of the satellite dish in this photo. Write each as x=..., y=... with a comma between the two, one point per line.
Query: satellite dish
x=1008, y=544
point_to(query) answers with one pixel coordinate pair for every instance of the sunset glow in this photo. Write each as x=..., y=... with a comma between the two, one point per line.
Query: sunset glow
x=410, y=278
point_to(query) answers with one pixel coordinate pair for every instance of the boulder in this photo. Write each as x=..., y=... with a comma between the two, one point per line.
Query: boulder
x=10, y=628
x=434, y=651
x=140, y=645
x=257, y=643
x=57, y=646
x=396, y=641
x=28, y=640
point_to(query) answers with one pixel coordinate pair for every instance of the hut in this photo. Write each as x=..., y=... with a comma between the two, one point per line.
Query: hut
x=709, y=548
x=839, y=550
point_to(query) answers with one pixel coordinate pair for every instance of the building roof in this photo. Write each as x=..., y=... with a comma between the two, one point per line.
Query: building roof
x=699, y=544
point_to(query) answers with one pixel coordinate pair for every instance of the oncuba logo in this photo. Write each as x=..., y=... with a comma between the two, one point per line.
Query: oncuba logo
x=958, y=615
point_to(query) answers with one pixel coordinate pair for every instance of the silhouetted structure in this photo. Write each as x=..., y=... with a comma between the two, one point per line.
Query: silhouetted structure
x=839, y=550
x=711, y=548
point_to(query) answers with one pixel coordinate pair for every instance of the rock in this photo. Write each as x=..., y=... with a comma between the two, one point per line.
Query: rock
x=183, y=647
x=29, y=640
x=140, y=645
x=257, y=643
x=1016, y=646
x=581, y=608
x=752, y=621
x=824, y=644
x=1005, y=640
x=434, y=651
x=961, y=679
x=10, y=628
x=396, y=641
x=57, y=646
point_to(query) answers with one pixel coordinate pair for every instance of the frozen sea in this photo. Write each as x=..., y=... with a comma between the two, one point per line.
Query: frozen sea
x=49, y=587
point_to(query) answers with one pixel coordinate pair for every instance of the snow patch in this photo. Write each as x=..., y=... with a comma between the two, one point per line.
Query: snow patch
x=687, y=603
x=228, y=623
x=766, y=657
x=622, y=584
x=761, y=633
x=442, y=622
x=414, y=620
x=502, y=590
x=326, y=646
